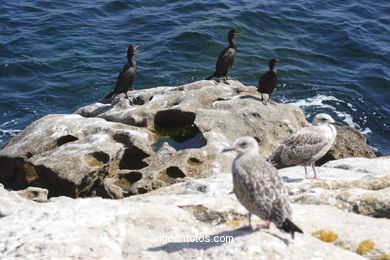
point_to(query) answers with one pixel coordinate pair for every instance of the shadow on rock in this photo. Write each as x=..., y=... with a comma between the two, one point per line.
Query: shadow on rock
x=289, y=180
x=251, y=97
x=205, y=243
x=101, y=110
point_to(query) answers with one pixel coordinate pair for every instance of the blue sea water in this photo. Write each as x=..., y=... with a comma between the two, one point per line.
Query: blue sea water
x=56, y=56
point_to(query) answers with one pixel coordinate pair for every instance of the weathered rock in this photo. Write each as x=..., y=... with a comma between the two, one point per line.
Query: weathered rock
x=355, y=184
x=349, y=143
x=34, y=193
x=220, y=111
x=114, y=149
x=71, y=155
x=230, y=110
x=379, y=166
x=164, y=224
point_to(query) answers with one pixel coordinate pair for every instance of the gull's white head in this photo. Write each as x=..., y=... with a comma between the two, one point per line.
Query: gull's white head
x=243, y=145
x=323, y=119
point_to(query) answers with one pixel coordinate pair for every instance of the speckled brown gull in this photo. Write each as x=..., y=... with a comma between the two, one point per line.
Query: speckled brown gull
x=307, y=145
x=259, y=188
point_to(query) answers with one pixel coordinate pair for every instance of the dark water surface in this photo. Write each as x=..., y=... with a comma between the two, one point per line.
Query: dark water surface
x=56, y=56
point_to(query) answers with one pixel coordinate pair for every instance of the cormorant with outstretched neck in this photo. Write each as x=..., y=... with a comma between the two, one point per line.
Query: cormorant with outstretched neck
x=226, y=58
x=127, y=74
x=268, y=81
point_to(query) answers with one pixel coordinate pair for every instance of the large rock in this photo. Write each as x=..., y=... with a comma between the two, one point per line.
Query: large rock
x=70, y=155
x=160, y=136
x=227, y=109
x=175, y=222
x=355, y=185
x=349, y=143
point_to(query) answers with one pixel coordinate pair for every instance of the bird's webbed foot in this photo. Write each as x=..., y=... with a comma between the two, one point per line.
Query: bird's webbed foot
x=271, y=101
x=263, y=226
x=225, y=80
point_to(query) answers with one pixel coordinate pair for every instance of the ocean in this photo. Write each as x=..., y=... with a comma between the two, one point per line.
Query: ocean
x=56, y=56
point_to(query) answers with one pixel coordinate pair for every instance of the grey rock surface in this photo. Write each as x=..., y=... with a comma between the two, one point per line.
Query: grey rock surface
x=127, y=147
x=165, y=223
x=349, y=143
x=357, y=185
x=34, y=193
x=70, y=155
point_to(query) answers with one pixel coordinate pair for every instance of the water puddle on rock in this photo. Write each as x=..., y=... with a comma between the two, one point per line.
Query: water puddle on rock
x=180, y=138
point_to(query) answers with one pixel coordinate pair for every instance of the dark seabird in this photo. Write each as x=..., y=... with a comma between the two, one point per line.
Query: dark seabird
x=259, y=188
x=226, y=58
x=127, y=74
x=307, y=145
x=268, y=81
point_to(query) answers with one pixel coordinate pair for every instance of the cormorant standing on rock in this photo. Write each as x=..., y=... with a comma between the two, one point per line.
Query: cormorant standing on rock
x=226, y=58
x=268, y=81
x=127, y=74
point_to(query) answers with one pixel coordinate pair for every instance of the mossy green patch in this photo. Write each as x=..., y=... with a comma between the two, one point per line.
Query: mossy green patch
x=342, y=245
x=163, y=176
x=254, y=254
x=178, y=134
x=94, y=163
x=365, y=247
x=233, y=223
x=123, y=182
x=324, y=235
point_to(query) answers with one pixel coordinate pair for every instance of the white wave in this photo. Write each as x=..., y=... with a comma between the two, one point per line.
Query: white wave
x=9, y=132
x=322, y=101
x=317, y=101
x=8, y=123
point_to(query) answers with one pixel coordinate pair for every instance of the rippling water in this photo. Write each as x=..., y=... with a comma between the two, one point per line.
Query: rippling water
x=56, y=56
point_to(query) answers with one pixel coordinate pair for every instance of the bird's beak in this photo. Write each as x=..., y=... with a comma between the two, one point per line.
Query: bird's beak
x=340, y=125
x=236, y=33
x=279, y=62
x=229, y=149
x=135, y=48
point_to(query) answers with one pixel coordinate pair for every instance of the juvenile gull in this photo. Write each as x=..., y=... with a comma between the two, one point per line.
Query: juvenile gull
x=259, y=188
x=307, y=145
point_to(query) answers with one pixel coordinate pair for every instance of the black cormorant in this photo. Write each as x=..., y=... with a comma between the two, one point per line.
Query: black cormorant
x=127, y=74
x=226, y=58
x=268, y=81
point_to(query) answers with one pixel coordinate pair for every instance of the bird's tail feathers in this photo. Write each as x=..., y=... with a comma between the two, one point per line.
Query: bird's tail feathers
x=289, y=227
x=210, y=77
x=109, y=95
x=275, y=160
x=108, y=98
